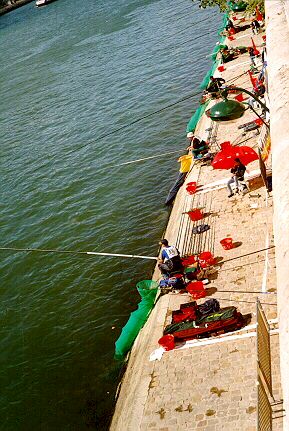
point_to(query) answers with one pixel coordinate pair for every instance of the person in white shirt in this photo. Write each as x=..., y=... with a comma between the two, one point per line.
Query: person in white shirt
x=170, y=260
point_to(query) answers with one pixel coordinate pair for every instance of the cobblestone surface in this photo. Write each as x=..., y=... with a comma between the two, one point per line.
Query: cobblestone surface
x=214, y=386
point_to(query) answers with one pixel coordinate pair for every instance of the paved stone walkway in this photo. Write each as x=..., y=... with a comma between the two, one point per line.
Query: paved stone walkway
x=211, y=386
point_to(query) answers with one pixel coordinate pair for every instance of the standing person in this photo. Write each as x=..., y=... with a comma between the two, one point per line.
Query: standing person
x=252, y=56
x=170, y=260
x=238, y=172
x=255, y=26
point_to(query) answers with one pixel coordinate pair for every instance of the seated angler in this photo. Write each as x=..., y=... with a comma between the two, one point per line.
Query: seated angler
x=227, y=55
x=238, y=172
x=199, y=148
x=170, y=260
x=215, y=85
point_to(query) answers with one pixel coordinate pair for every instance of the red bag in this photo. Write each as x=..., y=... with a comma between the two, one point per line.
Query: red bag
x=208, y=329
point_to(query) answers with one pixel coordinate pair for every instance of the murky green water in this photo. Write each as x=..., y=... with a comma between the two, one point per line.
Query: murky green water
x=70, y=72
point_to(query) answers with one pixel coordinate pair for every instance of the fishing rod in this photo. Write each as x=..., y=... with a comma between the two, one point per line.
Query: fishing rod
x=94, y=253
x=248, y=254
x=147, y=158
x=164, y=154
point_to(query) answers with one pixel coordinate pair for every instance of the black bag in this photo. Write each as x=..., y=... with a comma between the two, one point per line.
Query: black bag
x=166, y=267
x=200, y=229
x=208, y=307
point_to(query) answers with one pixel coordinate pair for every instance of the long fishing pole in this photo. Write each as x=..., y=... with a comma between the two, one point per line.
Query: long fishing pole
x=94, y=253
x=147, y=158
x=164, y=154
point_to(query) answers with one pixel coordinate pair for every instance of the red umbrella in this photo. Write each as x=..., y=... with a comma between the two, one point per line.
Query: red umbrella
x=225, y=159
x=246, y=154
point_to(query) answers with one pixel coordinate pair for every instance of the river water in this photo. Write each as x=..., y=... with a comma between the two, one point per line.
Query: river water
x=71, y=72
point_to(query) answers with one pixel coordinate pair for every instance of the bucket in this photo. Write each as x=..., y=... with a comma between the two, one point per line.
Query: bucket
x=239, y=98
x=195, y=214
x=167, y=342
x=258, y=122
x=191, y=187
x=227, y=243
x=188, y=260
x=221, y=68
x=206, y=259
x=196, y=289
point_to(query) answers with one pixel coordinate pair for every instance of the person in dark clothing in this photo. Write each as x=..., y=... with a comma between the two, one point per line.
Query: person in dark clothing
x=199, y=148
x=229, y=24
x=255, y=26
x=227, y=55
x=215, y=84
x=238, y=172
x=170, y=260
x=260, y=89
x=252, y=55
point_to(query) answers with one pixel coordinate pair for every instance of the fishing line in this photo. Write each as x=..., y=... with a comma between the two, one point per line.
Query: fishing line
x=244, y=291
x=125, y=126
x=247, y=302
x=181, y=31
x=94, y=253
x=259, y=116
x=161, y=109
x=248, y=254
x=242, y=142
x=236, y=77
x=161, y=155
x=191, y=40
x=198, y=36
x=255, y=262
x=146, y=158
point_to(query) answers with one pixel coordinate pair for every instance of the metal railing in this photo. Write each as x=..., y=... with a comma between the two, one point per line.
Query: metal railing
x=263, y=347
x=265, y=393
x=263, y=143
x=264, y=409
